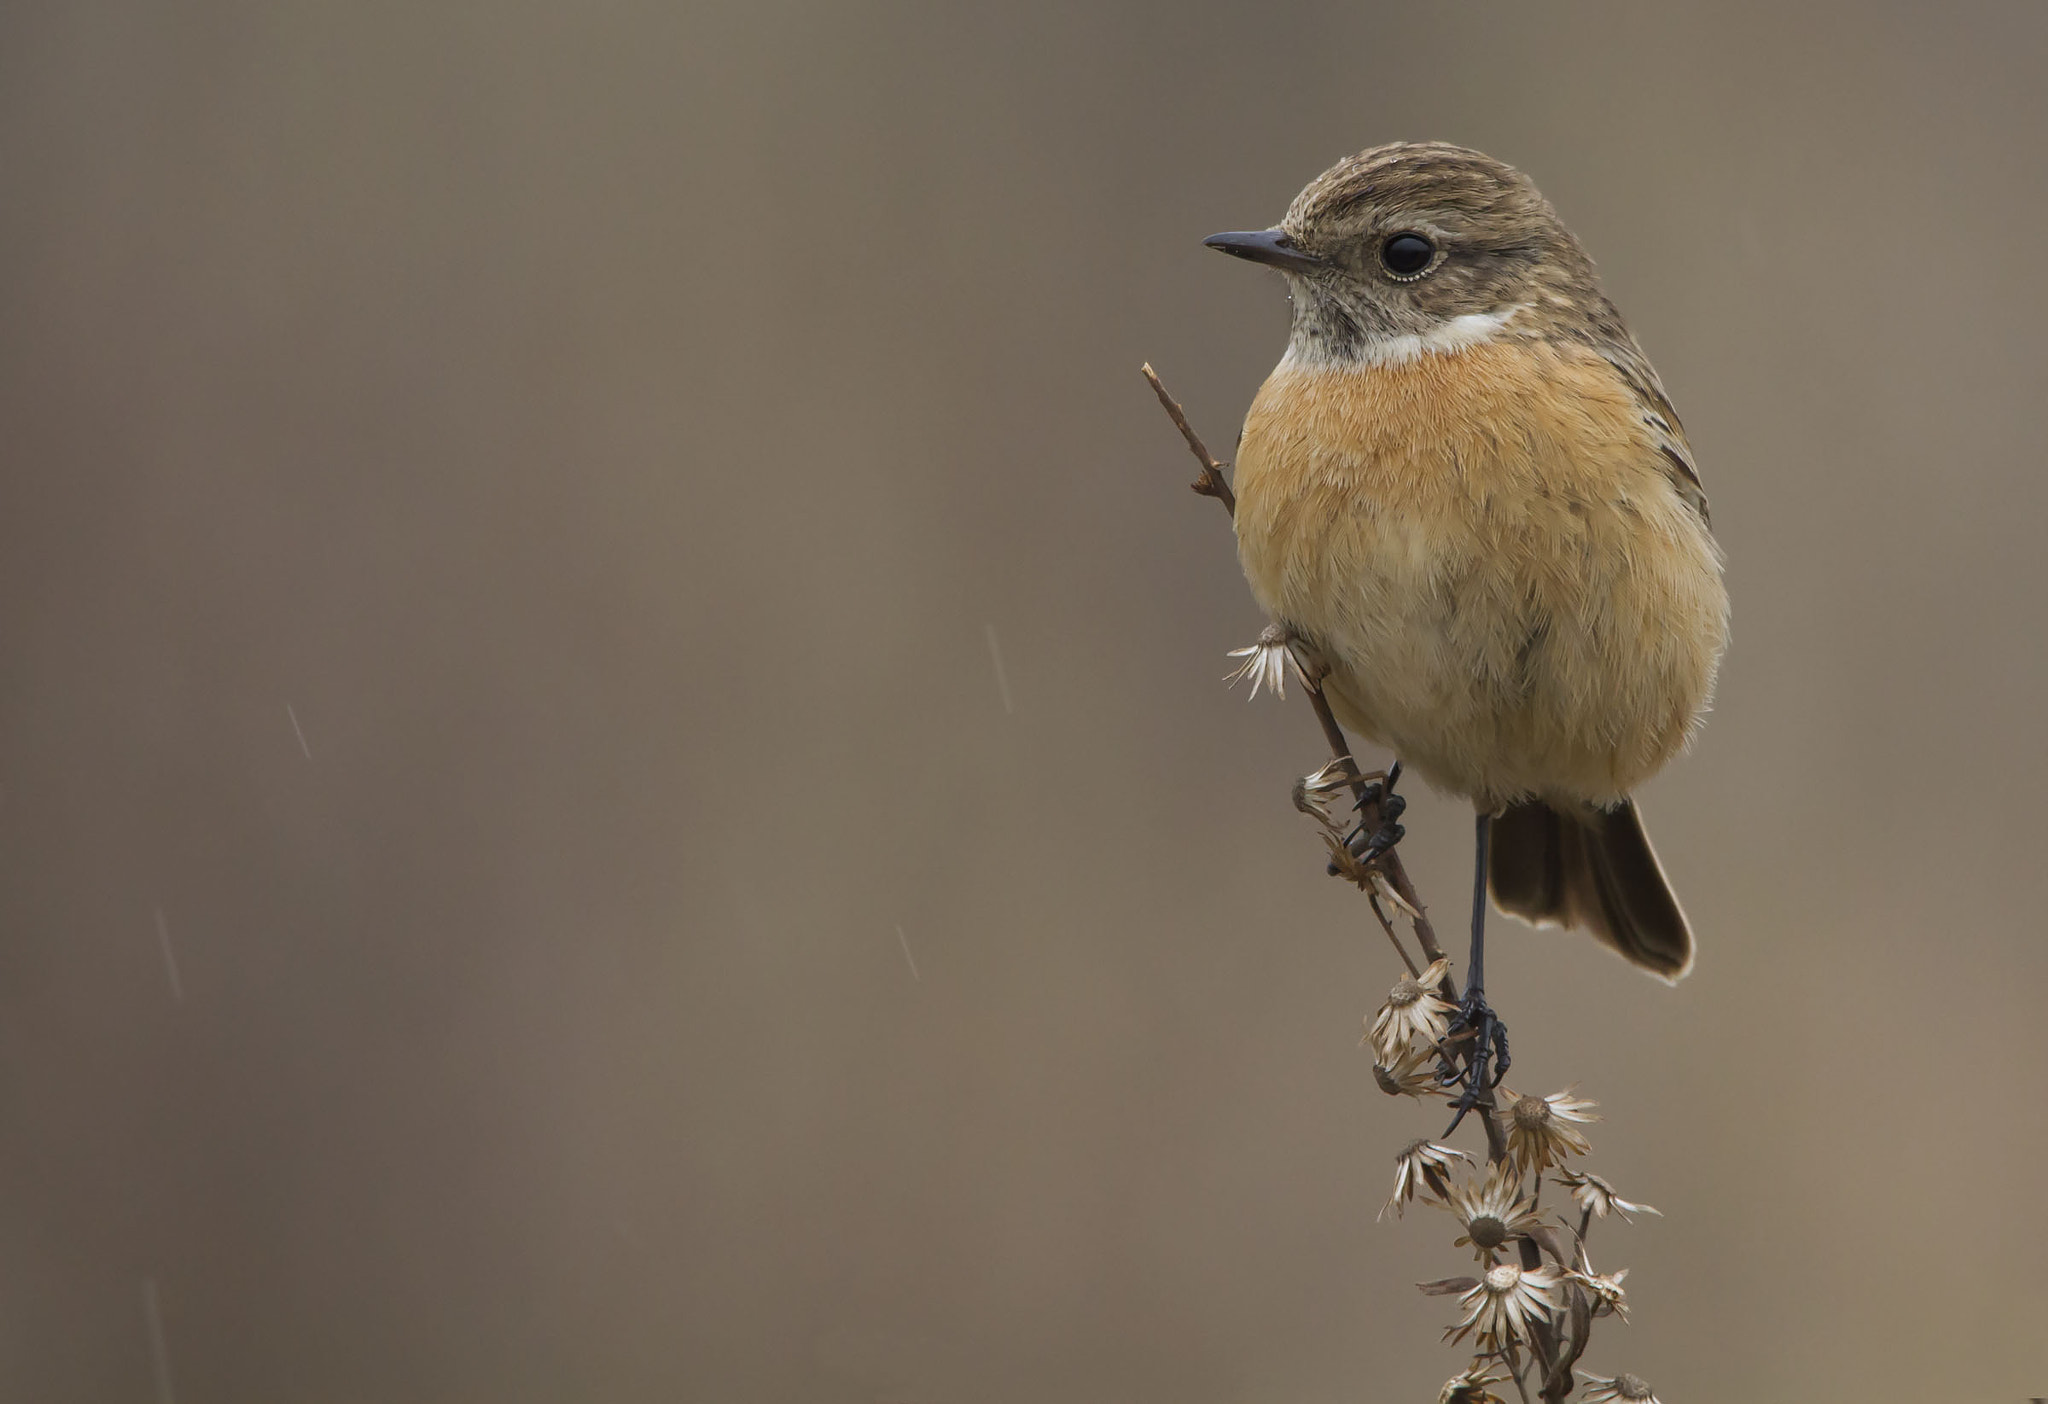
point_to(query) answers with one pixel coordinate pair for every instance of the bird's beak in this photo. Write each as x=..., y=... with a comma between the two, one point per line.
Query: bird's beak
x=1268, y=246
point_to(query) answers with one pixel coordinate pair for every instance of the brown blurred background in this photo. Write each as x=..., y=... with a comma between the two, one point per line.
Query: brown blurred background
x=506, y=511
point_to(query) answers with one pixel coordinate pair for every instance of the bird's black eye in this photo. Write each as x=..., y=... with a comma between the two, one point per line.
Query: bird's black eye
x=1406, y=255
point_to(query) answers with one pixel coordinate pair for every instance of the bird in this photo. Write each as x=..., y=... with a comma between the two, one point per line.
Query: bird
x=1465, y=489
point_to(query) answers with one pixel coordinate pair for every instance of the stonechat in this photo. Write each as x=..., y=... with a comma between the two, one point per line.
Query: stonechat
x=1465, y=488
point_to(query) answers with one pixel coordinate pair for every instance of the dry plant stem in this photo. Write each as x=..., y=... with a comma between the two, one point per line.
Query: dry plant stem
x=1515, y=1373
x=1542, y=1337
x=1567, y=1347
x=1560, y=1348
x=1211, y=484
x=1566, y=1343
x=1386, y=924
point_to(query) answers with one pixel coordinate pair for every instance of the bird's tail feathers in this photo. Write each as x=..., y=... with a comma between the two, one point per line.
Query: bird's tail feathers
x=1592, y=870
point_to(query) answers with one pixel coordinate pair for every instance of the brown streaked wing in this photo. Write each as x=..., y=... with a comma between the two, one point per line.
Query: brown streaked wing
x=1660, y=418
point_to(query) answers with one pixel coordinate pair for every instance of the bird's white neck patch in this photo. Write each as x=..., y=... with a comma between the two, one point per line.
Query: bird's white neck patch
x=1472, y=329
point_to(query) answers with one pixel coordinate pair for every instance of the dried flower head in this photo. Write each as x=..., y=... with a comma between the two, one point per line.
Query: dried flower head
x=1507, y=1301
x=1604, y=1289
x=1492, y=1210
x=1267, y=662
x=1474, y=1384
x=1343, y=860
x=1421, y=1165
x=1413, y=1014
x=1622, y=1387
x=1314, y=792
x=1596, y=1197
x=1539, y=1135
x=1414, y=1076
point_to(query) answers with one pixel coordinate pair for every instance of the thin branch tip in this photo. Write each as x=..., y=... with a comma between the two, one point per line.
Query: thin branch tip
x=1211, y=483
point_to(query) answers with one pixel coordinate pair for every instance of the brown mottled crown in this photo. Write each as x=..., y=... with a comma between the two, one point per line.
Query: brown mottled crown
x=1463, y=191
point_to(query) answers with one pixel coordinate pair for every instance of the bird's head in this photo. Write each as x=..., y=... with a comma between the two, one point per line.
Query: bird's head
x=1418, y=247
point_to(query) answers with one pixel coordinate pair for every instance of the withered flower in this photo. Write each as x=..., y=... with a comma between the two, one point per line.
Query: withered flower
x=1492, y=1210
x=1625, y=1388
x=1314, y=792
x=1474, y=1384
x=1421, y=1166
x=1267, y=662
x=1507, y=1301
x=1539, y=1134
x=1596, y=1197
x=1414, y=1076
x=1608, y=1299
x=1413, y=1014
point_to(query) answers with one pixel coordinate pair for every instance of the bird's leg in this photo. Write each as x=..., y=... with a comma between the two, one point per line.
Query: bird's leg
x=1487, y=1061
x=1367, y=845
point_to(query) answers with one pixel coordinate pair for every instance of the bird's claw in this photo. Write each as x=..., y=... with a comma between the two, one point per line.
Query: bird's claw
x=1366, y=846
x=1486, y=1062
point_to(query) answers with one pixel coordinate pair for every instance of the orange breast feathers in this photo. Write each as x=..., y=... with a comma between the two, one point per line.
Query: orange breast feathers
x=1486, y=547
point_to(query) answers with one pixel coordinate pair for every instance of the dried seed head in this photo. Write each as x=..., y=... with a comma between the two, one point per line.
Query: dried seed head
x=1507, y=1301
x=1596, y=1197
x=1621, y=1387
x=1487, y=1232
x=1420, y=1167
x=1608, y=1298
x=1413, y=1016
x=1492, y=1210
x=1539, y=1135
x=1413, y=1076
x=1314, y=792
x=1474, y=1384
x=1267, y=662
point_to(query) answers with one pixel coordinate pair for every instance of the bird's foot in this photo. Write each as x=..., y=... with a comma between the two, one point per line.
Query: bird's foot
x=1484, y=1063
x=1365, y=844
